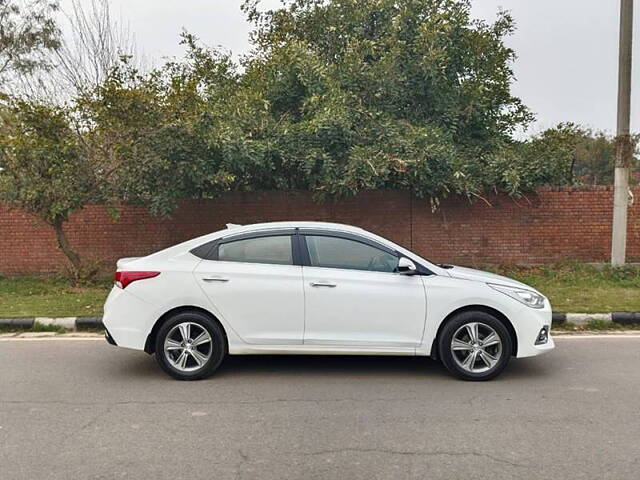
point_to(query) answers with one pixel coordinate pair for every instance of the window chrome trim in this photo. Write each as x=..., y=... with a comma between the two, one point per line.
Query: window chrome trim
x=209, y=251
x=306, y=260
x=348, y=236
x=300, y=252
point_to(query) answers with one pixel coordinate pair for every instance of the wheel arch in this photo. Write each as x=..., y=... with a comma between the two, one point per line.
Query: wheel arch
x=150, y=343
x=477, y=308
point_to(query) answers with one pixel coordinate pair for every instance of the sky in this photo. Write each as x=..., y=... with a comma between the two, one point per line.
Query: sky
x=566, y=70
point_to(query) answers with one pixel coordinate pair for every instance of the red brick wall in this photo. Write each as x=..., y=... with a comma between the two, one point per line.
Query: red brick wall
x=552, y=225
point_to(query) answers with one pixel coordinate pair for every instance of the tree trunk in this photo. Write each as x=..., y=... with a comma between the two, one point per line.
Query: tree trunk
x=66, y=248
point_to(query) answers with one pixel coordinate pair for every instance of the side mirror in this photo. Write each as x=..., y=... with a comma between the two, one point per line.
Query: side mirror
x=406, y=266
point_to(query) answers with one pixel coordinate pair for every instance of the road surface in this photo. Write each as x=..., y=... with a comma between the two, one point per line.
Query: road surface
x=81, y=409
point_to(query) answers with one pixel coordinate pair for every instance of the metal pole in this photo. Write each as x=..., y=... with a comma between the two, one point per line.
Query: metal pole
x=624, y=145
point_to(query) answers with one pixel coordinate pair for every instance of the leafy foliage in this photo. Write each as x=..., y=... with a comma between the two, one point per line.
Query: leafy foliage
x=569, y=154
x=347, y=95
x=27, y=32
x=335, y=97
x=43, y=169
x=154, y=135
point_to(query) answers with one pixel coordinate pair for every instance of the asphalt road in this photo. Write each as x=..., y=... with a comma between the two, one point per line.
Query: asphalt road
x=85, y=410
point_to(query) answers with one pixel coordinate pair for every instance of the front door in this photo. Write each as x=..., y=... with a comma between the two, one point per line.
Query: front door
x=354, y=297
x=255, y=286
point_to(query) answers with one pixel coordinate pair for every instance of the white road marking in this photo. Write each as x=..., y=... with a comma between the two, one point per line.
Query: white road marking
x=49, y=339
x=611, y=335
x=100, y=337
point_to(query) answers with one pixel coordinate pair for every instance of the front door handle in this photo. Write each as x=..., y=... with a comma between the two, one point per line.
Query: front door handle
x=215, y=279
x=323, y=284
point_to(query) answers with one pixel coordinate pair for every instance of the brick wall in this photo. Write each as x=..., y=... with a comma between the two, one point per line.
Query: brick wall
x=551, y=225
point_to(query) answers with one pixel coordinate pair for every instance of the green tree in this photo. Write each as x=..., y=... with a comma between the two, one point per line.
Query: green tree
x=567, y=154
x=154, y=134
x=43, y=170
x=545, y=159
x=335, y=97
x=345, y=95
x=145, y=139
x=595, y=158
x=27, y=33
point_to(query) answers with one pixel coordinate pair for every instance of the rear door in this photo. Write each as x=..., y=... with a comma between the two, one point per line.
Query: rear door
x=255, y=286
x=354, y=297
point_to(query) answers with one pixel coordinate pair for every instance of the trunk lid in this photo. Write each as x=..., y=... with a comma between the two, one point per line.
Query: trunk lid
x=123, y=261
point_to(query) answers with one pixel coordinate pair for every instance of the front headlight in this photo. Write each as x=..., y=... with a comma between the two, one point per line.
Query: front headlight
x=529, y=298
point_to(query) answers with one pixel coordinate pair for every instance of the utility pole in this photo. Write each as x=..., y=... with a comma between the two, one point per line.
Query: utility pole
x=624, y=144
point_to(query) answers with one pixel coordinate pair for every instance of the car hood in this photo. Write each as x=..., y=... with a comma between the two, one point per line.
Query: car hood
x=486, y=277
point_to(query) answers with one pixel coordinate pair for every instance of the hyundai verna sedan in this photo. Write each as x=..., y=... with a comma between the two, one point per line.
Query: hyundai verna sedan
x=318, y=288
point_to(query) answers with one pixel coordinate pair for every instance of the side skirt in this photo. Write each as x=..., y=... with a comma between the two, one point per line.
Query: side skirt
x=318, y=350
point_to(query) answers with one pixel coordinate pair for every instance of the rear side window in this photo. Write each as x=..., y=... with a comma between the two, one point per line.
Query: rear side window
x=334, y=252
x=272, y=250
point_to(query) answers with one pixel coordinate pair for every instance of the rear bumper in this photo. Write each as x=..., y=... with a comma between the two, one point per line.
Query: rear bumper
x=127, y=319
x=109, y=338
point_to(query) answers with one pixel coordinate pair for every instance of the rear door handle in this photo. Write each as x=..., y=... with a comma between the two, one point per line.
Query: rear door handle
x=215, y=279
x=323, y=284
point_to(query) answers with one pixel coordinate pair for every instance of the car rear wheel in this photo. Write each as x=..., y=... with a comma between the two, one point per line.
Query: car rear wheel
x=475, y=345
x=190, y=346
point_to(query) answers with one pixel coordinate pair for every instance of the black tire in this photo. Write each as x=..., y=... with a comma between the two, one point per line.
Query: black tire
x=447, y=355
x=218, y=345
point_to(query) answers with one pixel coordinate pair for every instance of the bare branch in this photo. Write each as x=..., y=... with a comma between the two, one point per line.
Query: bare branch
x=93, y=44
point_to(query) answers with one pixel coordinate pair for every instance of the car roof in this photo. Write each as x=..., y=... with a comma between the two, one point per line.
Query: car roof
x=234, y=229
x=293, y=224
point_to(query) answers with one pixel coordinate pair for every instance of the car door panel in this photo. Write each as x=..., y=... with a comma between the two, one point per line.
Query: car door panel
x=264, y=304
x=351, y=307
x=353, y=295
x=254, y=285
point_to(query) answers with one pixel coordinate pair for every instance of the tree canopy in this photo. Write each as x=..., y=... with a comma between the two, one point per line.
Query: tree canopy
x=335, y=97
x=43, y=169
x=27, y=32
x=347, y=95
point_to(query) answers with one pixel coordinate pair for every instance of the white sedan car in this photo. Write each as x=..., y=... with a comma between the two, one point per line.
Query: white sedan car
x=318, y=288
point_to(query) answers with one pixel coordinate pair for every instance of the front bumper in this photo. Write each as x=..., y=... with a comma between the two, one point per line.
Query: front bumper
x=527, y=323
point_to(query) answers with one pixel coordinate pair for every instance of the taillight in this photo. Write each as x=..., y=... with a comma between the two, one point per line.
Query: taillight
x=125, y=278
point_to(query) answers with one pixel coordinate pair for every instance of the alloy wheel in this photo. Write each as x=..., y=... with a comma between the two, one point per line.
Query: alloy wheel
x=188, y=346
x=476, y=347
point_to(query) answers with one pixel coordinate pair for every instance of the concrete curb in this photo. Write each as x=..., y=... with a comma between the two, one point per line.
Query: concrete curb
x=84, y=323
x=583, y=318
x=625, y=317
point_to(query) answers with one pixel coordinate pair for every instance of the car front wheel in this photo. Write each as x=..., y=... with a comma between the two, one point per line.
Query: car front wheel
x=475, y=345
x=190, y=346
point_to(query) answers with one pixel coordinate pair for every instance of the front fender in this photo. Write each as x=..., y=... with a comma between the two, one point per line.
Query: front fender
x=445, y=295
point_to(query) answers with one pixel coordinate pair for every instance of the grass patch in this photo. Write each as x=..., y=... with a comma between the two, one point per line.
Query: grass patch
x=50, y=297
x=580, y=288
x=601, y=325
x=41, y=327
x=564, y=327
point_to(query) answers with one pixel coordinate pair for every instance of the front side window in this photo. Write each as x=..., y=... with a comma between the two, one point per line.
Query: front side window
x=334, y=252
x=272, y=250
